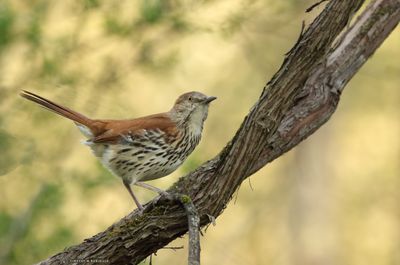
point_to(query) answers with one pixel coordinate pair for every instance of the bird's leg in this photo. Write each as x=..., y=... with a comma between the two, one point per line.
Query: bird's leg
x=128, y=187
x=152, y=188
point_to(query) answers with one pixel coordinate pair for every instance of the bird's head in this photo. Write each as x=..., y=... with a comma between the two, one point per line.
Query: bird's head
x=192, y=107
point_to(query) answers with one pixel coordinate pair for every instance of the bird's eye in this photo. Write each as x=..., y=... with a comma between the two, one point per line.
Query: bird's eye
x=190, y=98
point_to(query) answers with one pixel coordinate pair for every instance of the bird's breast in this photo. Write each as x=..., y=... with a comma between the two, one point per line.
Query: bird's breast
x=146, y=157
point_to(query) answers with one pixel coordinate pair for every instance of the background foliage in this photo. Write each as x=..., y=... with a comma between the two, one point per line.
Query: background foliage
x=332, y=200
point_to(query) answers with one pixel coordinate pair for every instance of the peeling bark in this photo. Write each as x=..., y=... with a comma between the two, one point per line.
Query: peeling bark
x=301, y=97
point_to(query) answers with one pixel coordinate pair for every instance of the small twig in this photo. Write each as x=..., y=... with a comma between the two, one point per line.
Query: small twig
x=193, y=225
x=314, y=6
x=173, y=248
x=251, y=185
x=236, y=194
x=212, y=219
x=194, y=228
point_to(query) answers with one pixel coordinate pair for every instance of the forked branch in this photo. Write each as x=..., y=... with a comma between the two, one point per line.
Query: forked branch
x=301, y=97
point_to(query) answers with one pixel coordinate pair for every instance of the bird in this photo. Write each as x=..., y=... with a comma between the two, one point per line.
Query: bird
x=144, y=148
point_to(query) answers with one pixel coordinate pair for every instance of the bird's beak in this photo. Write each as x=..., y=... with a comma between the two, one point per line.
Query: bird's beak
x=209, y=99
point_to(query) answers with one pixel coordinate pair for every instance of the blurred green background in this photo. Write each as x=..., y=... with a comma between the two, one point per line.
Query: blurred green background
x=334, y=199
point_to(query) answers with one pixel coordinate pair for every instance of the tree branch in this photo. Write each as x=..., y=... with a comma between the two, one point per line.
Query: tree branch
x=301, y=97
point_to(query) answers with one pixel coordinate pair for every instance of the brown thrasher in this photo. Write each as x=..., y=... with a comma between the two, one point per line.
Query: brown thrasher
x=145, y=148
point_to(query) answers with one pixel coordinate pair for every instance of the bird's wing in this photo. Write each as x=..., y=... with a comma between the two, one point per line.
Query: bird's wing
x=120, y=130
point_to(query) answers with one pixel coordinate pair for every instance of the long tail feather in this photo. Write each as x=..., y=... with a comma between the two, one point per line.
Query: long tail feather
x=56, y=108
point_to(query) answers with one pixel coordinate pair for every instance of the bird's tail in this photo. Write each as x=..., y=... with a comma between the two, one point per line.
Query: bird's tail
x=56, y=108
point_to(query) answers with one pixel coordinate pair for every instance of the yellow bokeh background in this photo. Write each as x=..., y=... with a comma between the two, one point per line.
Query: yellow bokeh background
x=334, y=199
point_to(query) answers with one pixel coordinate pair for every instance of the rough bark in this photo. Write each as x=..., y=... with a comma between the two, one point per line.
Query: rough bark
x=301, y=97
